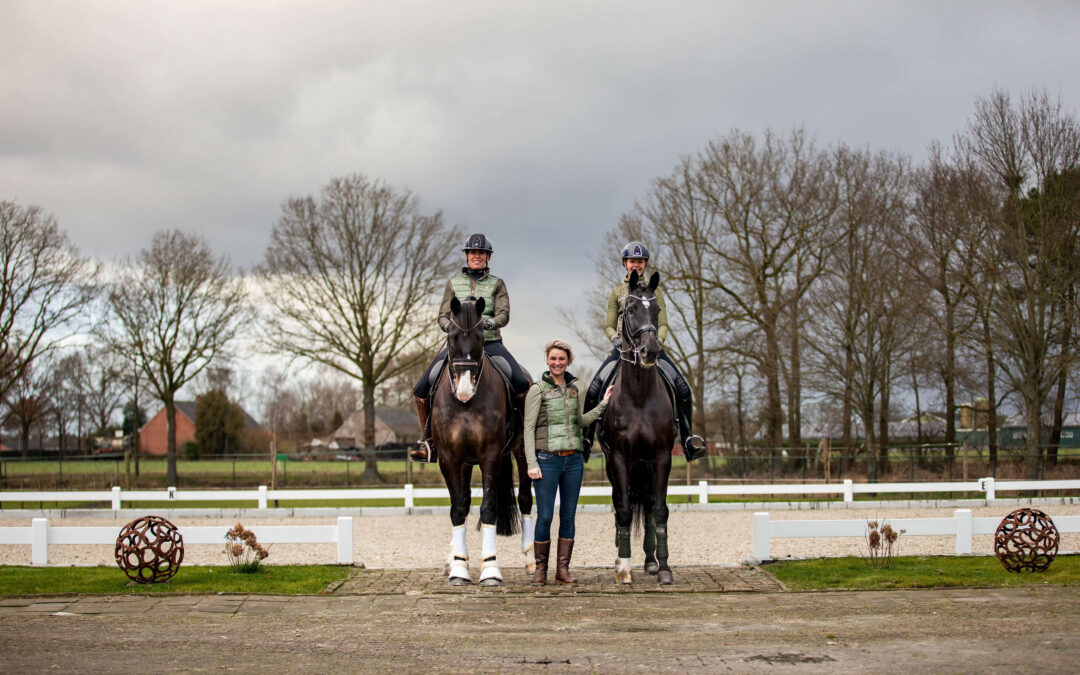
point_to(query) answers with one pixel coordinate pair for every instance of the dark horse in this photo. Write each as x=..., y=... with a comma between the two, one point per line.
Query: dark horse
x=473, y=423
x=638, y=434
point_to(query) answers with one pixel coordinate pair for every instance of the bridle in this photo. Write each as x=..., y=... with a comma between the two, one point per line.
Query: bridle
x=467, y=363
x=632, y=336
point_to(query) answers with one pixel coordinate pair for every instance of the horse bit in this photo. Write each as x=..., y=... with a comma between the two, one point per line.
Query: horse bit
x=466, y=363
x=632, y=336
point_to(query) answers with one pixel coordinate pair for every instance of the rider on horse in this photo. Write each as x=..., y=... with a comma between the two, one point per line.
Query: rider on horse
x=635, y=257
x=474, y=280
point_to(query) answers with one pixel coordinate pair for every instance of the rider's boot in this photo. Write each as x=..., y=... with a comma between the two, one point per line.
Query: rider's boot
x=541, y=549
x=692, y=444
x=425, y=449
x=562, y=563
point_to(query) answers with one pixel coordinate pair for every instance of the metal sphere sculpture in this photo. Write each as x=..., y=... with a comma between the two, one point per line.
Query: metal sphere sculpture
x=149, y=550
x=1027, y=540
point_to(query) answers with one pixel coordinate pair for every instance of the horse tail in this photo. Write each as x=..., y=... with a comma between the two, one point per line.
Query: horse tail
x=507, y=518
x=640, y=485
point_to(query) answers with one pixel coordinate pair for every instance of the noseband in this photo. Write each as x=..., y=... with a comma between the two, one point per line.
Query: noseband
x=632, y=336
x=466, y=363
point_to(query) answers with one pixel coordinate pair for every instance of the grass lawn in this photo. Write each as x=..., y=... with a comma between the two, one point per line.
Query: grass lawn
x=111, y=580
x=854, y=573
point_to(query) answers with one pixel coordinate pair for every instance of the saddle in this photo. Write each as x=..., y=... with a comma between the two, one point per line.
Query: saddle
x=502, y=366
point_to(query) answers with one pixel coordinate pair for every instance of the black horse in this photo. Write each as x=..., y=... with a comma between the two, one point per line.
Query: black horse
x=473, y=423
x=638, y=434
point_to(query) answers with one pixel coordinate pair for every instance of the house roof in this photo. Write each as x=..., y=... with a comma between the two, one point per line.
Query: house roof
x=401, y=421
x=188, y=409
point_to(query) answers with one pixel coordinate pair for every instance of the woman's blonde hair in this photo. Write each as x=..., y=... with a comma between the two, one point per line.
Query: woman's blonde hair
x=560, y=344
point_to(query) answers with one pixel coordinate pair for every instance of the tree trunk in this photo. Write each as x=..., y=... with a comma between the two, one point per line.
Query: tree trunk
x=795, y=387
x=773, y=414
x=883, y=430
x=371, y=466
x=171, y=478
x=1033, y=450
x=991, y=397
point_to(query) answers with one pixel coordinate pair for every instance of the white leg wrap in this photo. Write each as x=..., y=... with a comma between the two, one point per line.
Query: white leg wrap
x=459, y=554
x=622, y=571
x=527, y=530
x=489, y=568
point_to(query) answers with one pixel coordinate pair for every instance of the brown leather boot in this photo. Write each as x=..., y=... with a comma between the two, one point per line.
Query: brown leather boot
x=541, y=549
x=562, y=563
x=425, y=449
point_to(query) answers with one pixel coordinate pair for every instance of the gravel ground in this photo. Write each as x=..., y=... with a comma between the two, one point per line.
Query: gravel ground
x=422, y=541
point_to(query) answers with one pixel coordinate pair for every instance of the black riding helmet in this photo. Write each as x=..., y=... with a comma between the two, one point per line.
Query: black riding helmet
x=635, y=249
x=478, y=242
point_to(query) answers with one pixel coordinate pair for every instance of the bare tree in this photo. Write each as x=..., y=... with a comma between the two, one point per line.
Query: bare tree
x=1029, y=257
x=172, y=312
x=43, y=286
x=104, y=386
x=351, y=278
x=28, y=404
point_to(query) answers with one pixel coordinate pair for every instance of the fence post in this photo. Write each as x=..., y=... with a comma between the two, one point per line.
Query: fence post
x=39, y=538
x=761, y=535
x=262, y=497
x=849, y=491
x=116, y=498
x=703, y=492
x=345, y=540
x=963, y=531
x=409, y=502
x=987, y=486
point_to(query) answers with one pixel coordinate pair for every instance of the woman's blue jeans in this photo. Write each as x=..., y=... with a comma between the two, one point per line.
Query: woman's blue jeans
x=561, y=474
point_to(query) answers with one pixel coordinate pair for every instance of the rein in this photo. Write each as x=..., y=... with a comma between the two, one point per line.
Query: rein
x=632, y=336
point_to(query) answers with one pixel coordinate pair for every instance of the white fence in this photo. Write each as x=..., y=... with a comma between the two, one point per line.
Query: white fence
x=40, y=536
x=845, y=490
x=962, y=526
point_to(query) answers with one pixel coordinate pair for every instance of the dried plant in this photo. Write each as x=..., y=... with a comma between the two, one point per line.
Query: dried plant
x=882, y=543
x=244, y=552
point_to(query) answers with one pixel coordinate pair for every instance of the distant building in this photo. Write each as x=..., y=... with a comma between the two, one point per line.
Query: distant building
x=153, y=436
x=392, y=426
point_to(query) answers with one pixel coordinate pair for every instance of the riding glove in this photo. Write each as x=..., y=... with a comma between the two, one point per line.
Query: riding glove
x=488, y=324
x=616, y=342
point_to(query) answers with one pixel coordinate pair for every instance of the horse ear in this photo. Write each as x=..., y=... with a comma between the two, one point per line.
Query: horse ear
x=479, y=306
x=455, y=305
x=633, y=280
x=654, y=281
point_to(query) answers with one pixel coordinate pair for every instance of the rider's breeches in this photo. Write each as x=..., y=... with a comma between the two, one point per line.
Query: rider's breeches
x=519, y=381
x=562, y=473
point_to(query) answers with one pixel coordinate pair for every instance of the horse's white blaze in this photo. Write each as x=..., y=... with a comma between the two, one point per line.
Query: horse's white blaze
x=459, y=554
x=489, y=569
x=465, y=387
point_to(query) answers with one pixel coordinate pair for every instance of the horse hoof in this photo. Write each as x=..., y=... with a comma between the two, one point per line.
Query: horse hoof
x=652, y=567
x=665, y=578
x=624, y=578
x=530, y=568
x=491, y=582
x=458, y=581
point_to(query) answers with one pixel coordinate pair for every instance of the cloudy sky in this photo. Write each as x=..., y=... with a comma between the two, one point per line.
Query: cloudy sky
x=537, y=123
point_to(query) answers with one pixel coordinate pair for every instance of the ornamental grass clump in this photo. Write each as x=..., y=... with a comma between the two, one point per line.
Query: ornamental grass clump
x=244, y=552
x=883, y=543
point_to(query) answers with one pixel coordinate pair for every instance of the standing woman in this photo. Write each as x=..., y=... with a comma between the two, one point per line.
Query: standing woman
x=554, y=417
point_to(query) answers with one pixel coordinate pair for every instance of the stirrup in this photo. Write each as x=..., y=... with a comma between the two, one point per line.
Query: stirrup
x=424, y=452
x=694, y=447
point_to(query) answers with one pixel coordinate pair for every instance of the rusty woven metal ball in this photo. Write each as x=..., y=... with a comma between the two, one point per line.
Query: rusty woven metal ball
x=149, y=550
x=1026, y=540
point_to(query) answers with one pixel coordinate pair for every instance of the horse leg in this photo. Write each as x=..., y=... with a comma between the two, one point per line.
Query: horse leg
x=651, y=567
x=490, y=575
x=457, y=480
x=659, y=511
x=619, y=477
x=525, y=504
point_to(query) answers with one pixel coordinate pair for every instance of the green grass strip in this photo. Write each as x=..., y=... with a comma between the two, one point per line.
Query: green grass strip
x=193, y=579
x=854, y=573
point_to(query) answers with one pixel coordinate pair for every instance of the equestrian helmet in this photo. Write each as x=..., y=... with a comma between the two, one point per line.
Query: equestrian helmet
x=478, y=242
x=635, y=249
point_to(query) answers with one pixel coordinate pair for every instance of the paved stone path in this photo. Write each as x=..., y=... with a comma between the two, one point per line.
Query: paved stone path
x=590, y=580
x=412, y=621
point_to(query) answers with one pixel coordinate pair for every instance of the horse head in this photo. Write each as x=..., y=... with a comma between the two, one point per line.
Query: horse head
x=465, y=346
x=640, y=315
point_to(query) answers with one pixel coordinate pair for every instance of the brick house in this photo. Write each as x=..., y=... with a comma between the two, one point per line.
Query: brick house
x=154, y=439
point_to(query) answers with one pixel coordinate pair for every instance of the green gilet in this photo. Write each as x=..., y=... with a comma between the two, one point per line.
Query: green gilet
x=464, y=286
x=558, y=426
